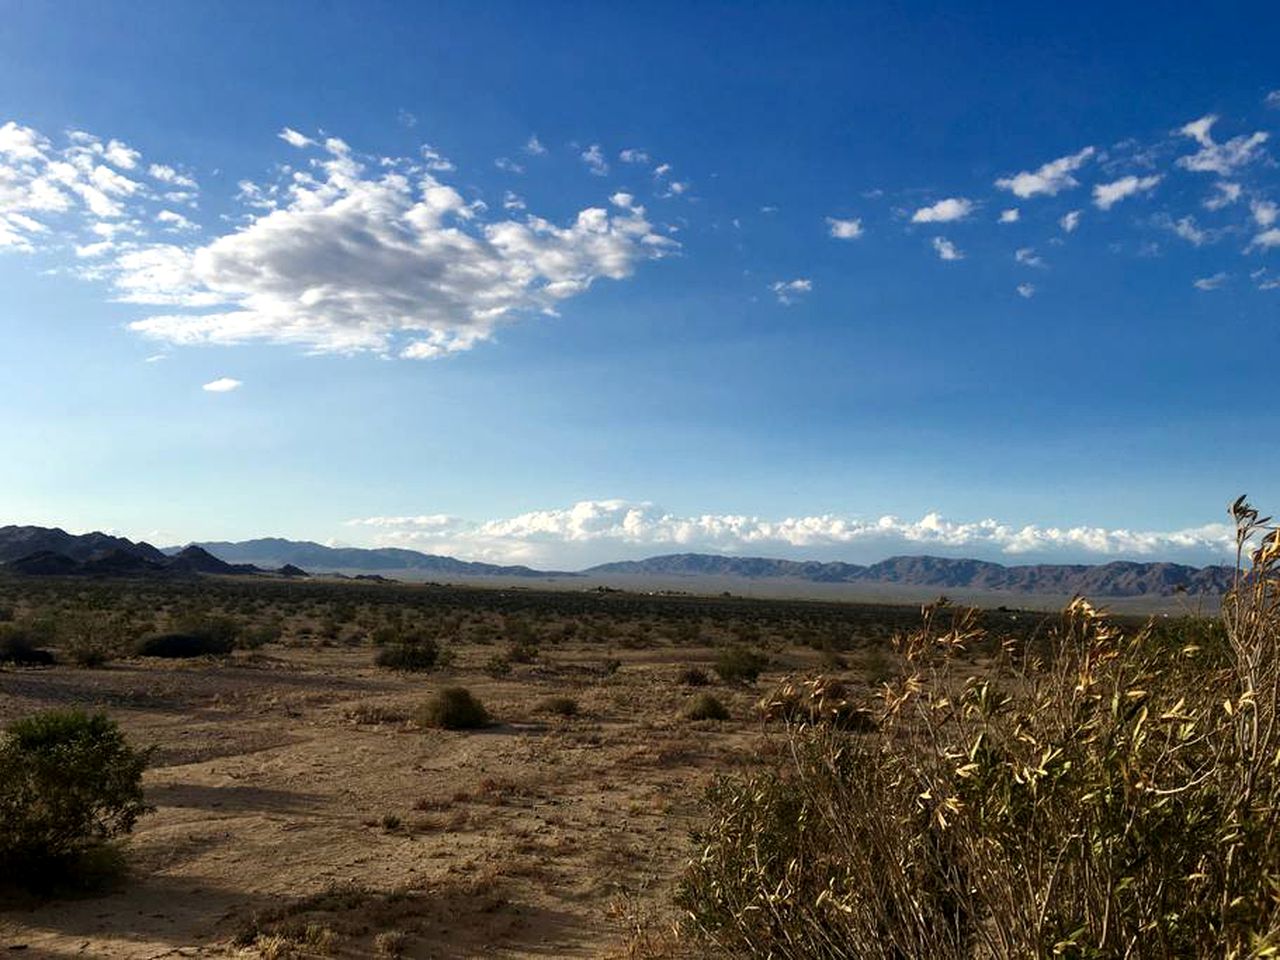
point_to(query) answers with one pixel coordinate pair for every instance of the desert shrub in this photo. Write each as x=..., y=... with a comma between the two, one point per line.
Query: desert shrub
x=453, y=708
x=693, y=677
x=217, y=628
x=18, y=646
x=418, y=656
x=87, y=652
x=1116, y=797
x=707, y=707
x=68, y=782
x=498, y=666
x=390, y=943
x=260, y=634
x=611, y=666
x=522, y=652
x=740, y=665
x=183, y=645
x=560, y=706
x=821, y=700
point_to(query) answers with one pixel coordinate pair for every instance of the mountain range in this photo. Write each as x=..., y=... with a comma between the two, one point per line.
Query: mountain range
x=44, y=551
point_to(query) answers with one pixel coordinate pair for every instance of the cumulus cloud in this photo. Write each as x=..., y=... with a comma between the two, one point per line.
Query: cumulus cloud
x=944, y=211
x=632, y=155
x=1070, y=220
x=391, y=261
x=946, y=250
x=1210, y=283
x=222, y=385
x=609, y=527
x=1223, y=159
x=1010, y=216
x=1187, y=229
x=435, y=161
x=533, y=146
x=849, y=229
x=1264, y=212
x=294, y=139
x=1026, y=290
x=789, y=291
x=1107, y=195
x=1050, y=179
x=507, y=165
x=1266, y=240
x=1028, y=257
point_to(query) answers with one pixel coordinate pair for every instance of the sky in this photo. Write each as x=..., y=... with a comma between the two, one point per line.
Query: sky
x=581, y=282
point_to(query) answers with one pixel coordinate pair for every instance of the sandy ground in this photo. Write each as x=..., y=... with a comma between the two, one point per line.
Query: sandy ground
x=300, y=813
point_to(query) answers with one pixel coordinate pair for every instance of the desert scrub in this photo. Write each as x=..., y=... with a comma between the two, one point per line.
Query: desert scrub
x=453, y=708
x=693, y=677
x=559, y=706
x=18, y=647
x=740, y=665
x=68, y=783
x=1114, y=797
x=417, y=656
x=184, y=645
x=707, y=706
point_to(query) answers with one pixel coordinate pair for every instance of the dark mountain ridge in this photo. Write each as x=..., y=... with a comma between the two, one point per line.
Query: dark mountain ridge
x=41, y=551
x=1120, y=578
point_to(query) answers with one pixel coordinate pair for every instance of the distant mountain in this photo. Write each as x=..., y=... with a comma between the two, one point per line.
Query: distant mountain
x=41, y=551
x=1116, y=579
x=17, y=542
x=275, y=552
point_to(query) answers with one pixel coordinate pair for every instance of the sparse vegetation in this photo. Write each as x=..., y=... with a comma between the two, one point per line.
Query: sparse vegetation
x=1114, y=797
x=18, y=647
x=419, y=655
x=176, y=646
x=559, y=706
x=453, y=708
x=740, y=665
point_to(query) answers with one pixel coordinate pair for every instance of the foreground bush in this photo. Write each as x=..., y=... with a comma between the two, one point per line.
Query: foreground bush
x=453, y=708
x=68, y=782
x=707, y=707
x=419, y=655
x=1118, y=798
x=181, y=645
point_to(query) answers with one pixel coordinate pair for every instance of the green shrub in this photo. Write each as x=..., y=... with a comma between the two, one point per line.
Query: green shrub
x=68, y=782
x=707, y=707
x=182, y=645
x=453, y=708
x=410, y=657
x=740, y=665
x=560, y=706
x=18, y=646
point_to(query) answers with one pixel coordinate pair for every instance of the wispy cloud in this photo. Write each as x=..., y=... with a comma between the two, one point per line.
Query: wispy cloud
x=533, y=146
x=1050, y=179
x=1224, y=159
x=1210, y=283
x=1026, y=290
x=1070, y=220
x=1028, y=257
x=593, y=157
x=222, y=385
x=789, y=291
x=1107, y=195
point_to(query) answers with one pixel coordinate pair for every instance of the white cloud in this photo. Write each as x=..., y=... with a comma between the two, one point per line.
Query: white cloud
x=1010, y=216
x=222, y=385
x=294, y=139
x=507, y=165
x=1107, y=195
x=512, y=201
x=121, y=155
x=168, y=175
x=789, y=291
x=593, y=157
x=944, y=211
x=1264, y=212
x=1070, y=221
x=1223, y=159
x=533, y=146
x=1026, y=290
x=849, y=229
x=392, y=262
x=1210, y=283
x=1028, y=257
x=19, y=143
x=662, y=169
x=435, y=161
x=1267, y=239
x=1225, y=194
x=1272, y=99
x=174, y=221
x=1187, y=229
x=946, y=250
x=602, y=529
x=1050, y=179
x=632, y=155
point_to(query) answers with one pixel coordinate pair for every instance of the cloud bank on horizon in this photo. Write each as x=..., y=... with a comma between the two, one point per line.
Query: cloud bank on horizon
x=342, y=252
x=595, y=531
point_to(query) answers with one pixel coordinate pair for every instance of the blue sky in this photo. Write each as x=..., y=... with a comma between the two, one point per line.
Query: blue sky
x=588, y=282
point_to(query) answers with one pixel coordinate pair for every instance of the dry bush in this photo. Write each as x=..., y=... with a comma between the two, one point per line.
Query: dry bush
x=707, y=706
x=453, y=708
x=1116, y=798
x=740, y=665
x=560, y=706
